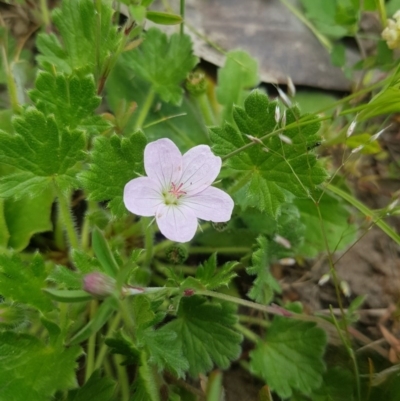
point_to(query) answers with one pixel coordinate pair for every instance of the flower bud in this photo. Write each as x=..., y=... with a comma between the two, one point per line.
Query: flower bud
x=351, y=128
x=98, y=284
x=176, y=254
x=196, y=83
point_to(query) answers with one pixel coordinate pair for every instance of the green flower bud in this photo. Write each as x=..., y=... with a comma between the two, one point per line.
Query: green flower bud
x=196, y=83
x=176, y=254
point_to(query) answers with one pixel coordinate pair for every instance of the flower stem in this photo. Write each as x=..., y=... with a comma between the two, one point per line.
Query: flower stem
x=247, y=333
x=103, y=349
x=182, y=11
x=123, y=379
x=45, y=13
x=205, y=108
x=91, y=346
x=85, y=235
x=144, y=110
x=11, y=86
x=148, y=240
x=66, y=215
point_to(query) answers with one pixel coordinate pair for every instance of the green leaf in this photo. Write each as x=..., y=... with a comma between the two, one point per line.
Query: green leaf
x=97, y=388
x=290, y=358
x=270, y=177
x=67, y=278
x=88, y=35
x=183, y=124
x=22, y=283
x=338, y=230
x=206, y=334
x=72, y=99
x=41, y=151
x=265, y=285
x=211, y=277
x=322, y=14
x=145, y=386
x=31, y=370
x=164, y=18
x=240, y=72
x=114, y=162
x=68, y=296
x=269, y=250
x=369, y=148
x=100, y=318
x=164, y=350
x=4, y=233
x=28, y=216
x=164, y=63
x=338, y=385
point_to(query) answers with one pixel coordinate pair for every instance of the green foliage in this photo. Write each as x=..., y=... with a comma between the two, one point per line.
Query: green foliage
x=23, y=283
x=40, y=151
x=269, y=250
x=284, y=168
x=97, y=388
x=183, y=124
x=31, y=370
x=265, y=285
x=290, y=358
x=239, y=73
x=114, y=161
x=205, y=334
x=160, y=346
x=335, y=19
x=164, y=63
x=27, y=216
x=72, y=99
x=211, y=277
x=338, y=385
x=89, y=38
x=335, y=219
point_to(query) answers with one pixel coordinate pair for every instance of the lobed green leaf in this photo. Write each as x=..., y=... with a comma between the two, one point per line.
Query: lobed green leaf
x=114, y=162
x=274, y=171
x=164, y=63
x=206, y=334
x=290, y=358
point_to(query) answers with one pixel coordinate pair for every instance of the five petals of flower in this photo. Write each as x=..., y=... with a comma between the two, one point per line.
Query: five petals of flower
x=177, y=189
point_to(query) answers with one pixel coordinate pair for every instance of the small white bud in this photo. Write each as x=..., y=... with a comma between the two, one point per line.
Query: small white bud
x=324, y=279
x=291, y=87
x=283, y=121
x=285, y=139
x=285, y=99
x=392, y=205
x=265, y=149
x=254, y=139
x=351, y=128
x=378, y=134
x=357, y=149
x=277, y=114
x=287, y=261
x=282, y=241
x=344, y=286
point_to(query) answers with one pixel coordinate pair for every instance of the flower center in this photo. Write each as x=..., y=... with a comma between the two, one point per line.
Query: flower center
x=171, y=197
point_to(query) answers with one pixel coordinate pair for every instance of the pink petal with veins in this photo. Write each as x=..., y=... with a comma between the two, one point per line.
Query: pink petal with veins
x=142, y=196
x=212, y=204
x=177, y=223
x=200, y=168
x=163, y=162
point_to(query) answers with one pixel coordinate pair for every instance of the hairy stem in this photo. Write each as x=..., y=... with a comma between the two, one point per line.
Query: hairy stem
x=91, y=346
x=66, y=215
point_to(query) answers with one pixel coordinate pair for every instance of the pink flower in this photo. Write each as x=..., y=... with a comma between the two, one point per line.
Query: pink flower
x=177, y=189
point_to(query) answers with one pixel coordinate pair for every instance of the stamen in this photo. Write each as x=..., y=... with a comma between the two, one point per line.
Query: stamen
x=176, y=191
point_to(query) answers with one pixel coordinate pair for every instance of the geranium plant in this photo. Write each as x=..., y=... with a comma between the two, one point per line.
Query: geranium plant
x=143, y=208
